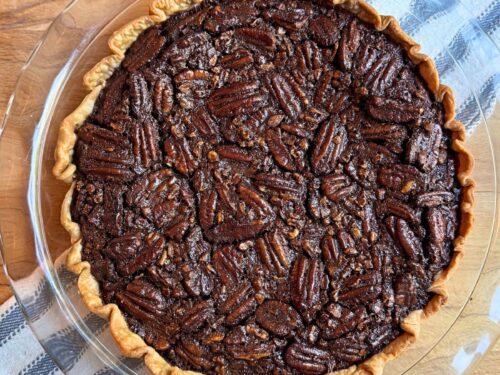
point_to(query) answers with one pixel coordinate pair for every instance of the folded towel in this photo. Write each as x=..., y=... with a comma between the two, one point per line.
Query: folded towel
x=463, y=38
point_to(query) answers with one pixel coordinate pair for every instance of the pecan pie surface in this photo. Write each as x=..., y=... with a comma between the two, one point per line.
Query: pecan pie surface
x=266, y=187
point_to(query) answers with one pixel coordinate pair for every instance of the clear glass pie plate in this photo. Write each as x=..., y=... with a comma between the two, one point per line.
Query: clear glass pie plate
x=50, y=88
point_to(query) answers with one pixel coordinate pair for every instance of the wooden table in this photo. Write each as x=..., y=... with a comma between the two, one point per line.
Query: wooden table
x=22, y=24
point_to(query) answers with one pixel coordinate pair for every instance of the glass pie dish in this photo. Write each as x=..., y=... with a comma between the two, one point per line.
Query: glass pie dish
x=33, y=239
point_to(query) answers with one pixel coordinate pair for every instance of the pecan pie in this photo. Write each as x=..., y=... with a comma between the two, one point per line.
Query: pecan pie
x=264, y=186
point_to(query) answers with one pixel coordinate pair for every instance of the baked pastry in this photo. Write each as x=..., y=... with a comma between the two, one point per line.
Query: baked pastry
x=264, y=187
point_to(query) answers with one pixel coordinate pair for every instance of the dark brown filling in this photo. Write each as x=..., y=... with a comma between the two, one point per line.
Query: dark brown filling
x=266, y=186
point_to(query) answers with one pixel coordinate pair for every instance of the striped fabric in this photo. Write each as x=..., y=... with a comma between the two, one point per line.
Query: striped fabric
x=463, y=38
x=56, y=334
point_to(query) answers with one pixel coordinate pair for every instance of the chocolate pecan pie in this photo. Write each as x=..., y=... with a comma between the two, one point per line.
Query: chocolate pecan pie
x=264, y=186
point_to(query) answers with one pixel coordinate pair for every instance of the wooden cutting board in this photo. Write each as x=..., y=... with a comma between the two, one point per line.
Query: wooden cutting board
x=23, y=23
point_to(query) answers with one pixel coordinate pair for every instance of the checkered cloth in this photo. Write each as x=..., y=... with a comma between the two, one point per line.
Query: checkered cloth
x=467, y=59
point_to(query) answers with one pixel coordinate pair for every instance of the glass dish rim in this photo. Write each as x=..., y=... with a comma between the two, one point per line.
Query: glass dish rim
x=35, y=180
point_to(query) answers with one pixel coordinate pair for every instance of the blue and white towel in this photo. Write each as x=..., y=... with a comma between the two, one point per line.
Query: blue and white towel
x=464, y=40
x=21, y=353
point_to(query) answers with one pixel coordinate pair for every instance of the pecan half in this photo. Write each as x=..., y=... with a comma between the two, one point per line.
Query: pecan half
x=438, y=220
x=349, y=44
x=145, y=144
x=251, y=352
x=394, y=110
x=340, y=321
x=296, y=129
x=207, y=207
x=323, y=87
x=237, y=59
x=330, y=142
x=282, y=187
x=288, y=93
x=384, y=132
x=423, y=147
x=178, y=154
x=104, y=154
x=255, y=200
x=113, y=215
x=397, y=176
x=239, y=305
x=401, y=210
x=228, y=264
x=277, y=317
x=147, y=47
x=381, y=74
x=308, y=57
x=348, y=350
x=305, y=285
x=291, y=19
x=163, y=96
x=258, y=38
x=141, y=101
x=155, y=336
x=365, y=287
x=197, y=316
x=273, y=253
x=337, y=187
x=234, y=153
x=278, y=149
x=204, y=124
x=225, y=16
x=307, y=359
x=434, y=198
x=124, y=247
x=330, y=249
x=405, y=290
x=408, y=241
x=112, y=99
x=437, y=226
x=194, y=353
x=196, y=280
x=142, y=300
x=151, y=251
x=324, y=31
x=232, y=231
x=236, y=99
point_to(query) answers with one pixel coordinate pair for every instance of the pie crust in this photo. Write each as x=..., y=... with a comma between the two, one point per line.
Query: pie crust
x=132, y=345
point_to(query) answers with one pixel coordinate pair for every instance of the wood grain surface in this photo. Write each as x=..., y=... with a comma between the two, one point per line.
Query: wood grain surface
x=23, y=23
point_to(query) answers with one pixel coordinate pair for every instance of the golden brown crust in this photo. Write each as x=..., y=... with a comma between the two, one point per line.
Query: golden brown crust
x=132, y=345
